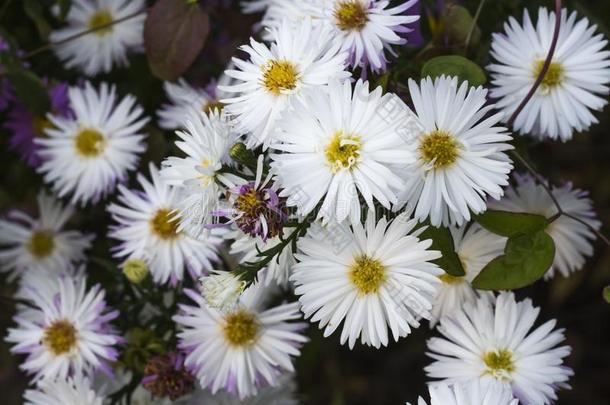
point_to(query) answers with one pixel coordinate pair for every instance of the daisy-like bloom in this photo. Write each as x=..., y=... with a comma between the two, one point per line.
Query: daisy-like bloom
x=87, y=155
x=338, y=146
x=71, y=391
x=254, y=206
x=246, y=248
x=573, y=240
x=370, y=277
x=475, y=247
x=367, y=28
x=26, y=126
x=301, y=57
x=282, y=394
x=460, y=153
x=111, y=41
x=29, y=244
x=242, y=350
x=493, y=340
x=206, y=142
x=184, y=97
x=222, y=289
x=66, y=332
x=148, y=228
x=575, y=84
x=476, y=392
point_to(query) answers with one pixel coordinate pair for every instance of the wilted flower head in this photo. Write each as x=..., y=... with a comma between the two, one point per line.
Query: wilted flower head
x=165, y=376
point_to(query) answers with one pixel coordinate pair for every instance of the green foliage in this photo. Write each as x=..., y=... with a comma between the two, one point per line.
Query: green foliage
x=34, y=10
x=460, y=26
x=30, y=90
x=64, y=8
x=606, y=294
x=455, y=65
x=509, y=224
x=443, y=242
x=526, y=258
x=174, y=34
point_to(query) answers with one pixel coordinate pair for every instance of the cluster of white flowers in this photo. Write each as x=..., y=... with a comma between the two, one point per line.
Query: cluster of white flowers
x=299, y=176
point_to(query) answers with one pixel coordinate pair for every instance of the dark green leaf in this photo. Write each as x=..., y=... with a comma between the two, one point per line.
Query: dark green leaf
x=30, y=90
x=64, y=8
x=508, y=224
x=526, y=258
x=455, y=65
x=458, y=22
x=443, y=241
x=174, y=34
x=606, y=294
x=35, y=10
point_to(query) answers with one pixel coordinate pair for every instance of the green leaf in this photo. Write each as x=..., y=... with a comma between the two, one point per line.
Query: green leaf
x=30, y=90
x=455, y=65
x=34, y=10
x=443, y=241
x=64, y=8
x=174, y=34
x=606, y=294
x=526, y=258
x=458, y=22
x=509, y=224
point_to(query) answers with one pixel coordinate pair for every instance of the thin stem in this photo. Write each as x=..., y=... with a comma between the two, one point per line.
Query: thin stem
x=82, y=33
x=476, y=17
x=545, y=67
x=591, y=228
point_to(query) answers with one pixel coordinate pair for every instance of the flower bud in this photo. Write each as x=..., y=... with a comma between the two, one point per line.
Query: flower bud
x=222, y=289
x=135, y=270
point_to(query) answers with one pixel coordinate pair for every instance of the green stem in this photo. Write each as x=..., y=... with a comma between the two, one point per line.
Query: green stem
x=473, y=25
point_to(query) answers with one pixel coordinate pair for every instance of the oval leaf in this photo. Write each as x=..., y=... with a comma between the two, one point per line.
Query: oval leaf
x=30, y=90
x=174, y=34
x=458, y=22
x=606, y=294
x=443, y=241
x=509, y=224
x=526, y=258
x=455, y=65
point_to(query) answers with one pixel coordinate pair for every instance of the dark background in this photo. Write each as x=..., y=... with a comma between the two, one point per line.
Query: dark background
x=327, y=372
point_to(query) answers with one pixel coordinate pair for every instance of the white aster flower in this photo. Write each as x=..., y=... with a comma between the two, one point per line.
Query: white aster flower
x=206, y=142
x=242, y=350
x=35, y=244
x=71, y=391
x=367, y=28
x=492, y=340
x=460, y=153
x=149, y=229
x=301, y=57
x=337, y=146
x=575, y=84
x=476, y=392
x=88, y=154
x=573, y=240
x=370, y=277
x=222, y=289
x=184, y=98
x=475, y=247
x=247, y=247
x=282, y=394
x=67, y=332
x=98, y=51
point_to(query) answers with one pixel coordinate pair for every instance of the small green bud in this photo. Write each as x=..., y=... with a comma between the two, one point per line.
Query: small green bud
x=606, y=294
x=135, y=270
x=241, y=154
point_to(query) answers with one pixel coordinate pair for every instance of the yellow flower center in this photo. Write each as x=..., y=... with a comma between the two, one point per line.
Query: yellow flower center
x=165, y=224
x=552, y=78
x=367, y=274
x=241, y=328
x=101, y=18
x=60, y=337
x=90, y=142
x=439, y=148
x=41, y=124
x=279, y=76
x=212, y=105
x=41, y=244
x=343, y=151
x=499, y=364
x=350, y=15
x=449, y=279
